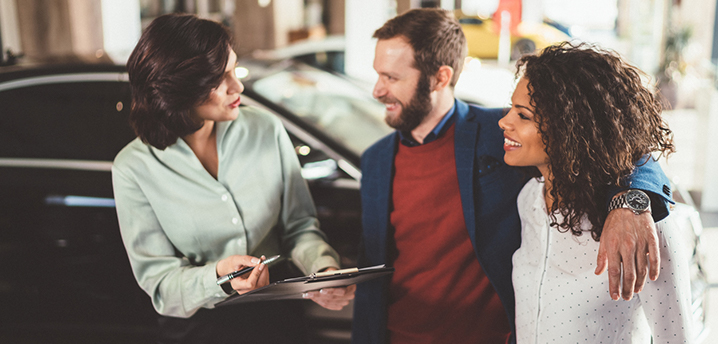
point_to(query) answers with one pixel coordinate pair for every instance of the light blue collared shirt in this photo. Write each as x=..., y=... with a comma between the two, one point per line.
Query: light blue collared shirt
x=439, y=129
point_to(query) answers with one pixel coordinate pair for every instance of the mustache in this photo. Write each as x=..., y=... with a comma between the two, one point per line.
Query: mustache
x=388, y=99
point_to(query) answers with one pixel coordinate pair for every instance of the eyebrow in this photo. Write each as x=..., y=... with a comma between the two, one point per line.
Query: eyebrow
x=523, y=107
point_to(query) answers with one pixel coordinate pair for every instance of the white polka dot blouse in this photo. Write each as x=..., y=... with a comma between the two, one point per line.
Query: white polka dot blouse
x=559, y=299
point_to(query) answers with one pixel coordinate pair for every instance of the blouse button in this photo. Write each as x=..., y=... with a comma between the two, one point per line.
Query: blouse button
x=224, y=198
x=235, y=220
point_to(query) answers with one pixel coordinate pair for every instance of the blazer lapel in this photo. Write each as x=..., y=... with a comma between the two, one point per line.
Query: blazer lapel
x=380, y=172
x=466, y=132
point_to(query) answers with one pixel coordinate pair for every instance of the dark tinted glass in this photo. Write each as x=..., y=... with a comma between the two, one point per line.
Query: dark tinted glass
x=83, y=120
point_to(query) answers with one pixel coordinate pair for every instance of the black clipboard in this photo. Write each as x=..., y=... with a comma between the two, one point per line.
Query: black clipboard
x=293, y=288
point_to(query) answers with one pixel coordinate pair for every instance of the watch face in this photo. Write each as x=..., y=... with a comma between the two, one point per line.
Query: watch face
x=637, y=200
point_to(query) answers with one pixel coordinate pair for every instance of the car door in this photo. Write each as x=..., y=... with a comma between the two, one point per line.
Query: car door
x=64, y=265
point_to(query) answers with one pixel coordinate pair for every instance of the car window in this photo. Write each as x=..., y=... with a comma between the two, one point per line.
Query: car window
x=78, y=120
x=334, y=105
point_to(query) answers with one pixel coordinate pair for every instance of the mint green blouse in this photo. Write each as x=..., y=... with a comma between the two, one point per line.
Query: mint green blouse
x=258, y=205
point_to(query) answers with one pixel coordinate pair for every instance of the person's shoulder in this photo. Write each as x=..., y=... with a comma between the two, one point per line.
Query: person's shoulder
x=134, y=151
x=252, y=115
x=486, y=114
x=386, y=142
x=530, y=191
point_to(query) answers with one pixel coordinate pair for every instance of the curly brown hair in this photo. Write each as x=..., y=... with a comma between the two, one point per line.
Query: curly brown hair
x=597, y=121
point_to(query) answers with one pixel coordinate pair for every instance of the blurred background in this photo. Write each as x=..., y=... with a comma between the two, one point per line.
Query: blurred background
x=675, y=42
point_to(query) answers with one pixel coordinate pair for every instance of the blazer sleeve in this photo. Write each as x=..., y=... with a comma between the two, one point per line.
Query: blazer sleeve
x=649, y=177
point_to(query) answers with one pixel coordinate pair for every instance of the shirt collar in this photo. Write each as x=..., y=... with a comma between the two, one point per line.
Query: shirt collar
x=441, y=128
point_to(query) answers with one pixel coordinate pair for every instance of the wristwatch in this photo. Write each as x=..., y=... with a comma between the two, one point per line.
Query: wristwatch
x=634, y=199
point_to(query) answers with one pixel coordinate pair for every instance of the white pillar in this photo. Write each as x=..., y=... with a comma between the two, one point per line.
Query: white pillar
x=9, y=27
x=362, y=18
x=709, y=198
x=448, y=4
x=121, y=28
x=532, y=11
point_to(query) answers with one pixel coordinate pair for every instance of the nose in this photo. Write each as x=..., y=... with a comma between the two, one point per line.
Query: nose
x=235, y=86
x=379, y=89
x=505, y=122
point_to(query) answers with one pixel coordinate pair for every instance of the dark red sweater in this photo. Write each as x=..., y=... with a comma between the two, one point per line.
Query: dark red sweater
x=439, y=293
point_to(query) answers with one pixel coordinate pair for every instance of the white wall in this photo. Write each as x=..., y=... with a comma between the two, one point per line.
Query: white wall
x=121, y=28
x=363, y=17
x=9, y=29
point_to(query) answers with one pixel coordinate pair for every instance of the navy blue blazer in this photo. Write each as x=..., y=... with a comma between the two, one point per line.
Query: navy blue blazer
x=488, y=188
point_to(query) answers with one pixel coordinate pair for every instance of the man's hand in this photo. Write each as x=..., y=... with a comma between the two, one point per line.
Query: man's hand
x=629, y=240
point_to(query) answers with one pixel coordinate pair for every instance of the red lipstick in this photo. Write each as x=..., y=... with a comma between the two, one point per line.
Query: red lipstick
x=235, y=103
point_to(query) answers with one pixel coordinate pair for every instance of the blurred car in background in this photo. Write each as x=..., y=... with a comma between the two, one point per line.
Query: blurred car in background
x=686, y=215
x=326, y=53
x=482, y=37
x=481, y=82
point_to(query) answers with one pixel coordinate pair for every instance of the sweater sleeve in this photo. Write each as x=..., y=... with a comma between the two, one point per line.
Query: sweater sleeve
x=177, y=288
x=667, y=301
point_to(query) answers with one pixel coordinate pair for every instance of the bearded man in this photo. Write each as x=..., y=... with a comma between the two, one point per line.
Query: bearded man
x=439, y=204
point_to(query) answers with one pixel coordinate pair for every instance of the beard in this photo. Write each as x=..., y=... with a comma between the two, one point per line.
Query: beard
x=414, y=112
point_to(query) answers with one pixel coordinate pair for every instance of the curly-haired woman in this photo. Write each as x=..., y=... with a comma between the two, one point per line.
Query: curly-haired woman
x=581, y=118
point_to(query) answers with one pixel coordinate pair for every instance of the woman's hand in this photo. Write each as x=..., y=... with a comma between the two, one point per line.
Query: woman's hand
x=332, y=298
x=257, y=278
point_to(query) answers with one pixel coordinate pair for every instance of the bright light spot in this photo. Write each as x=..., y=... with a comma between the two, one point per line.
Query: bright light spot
x=319, y=169
x=474, y=64
x=264, y=3
x=241, y=72
x=303, y=150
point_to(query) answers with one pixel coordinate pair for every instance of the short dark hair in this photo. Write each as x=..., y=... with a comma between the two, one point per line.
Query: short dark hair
x=177, y=62
x=597, y=120
x=435, y=36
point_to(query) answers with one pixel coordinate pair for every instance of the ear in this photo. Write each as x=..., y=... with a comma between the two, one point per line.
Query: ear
x=443, y=77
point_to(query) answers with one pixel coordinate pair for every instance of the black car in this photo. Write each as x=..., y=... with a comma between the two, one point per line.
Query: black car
x=65, y=276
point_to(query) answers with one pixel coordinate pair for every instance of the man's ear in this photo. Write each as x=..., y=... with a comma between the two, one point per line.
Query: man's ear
x=443, y=77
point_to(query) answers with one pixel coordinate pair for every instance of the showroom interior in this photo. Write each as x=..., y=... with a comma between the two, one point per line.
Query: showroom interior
x=675, y=42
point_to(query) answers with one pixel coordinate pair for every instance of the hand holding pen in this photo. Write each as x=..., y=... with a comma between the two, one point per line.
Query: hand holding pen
x=232, y=275
x=255, y=276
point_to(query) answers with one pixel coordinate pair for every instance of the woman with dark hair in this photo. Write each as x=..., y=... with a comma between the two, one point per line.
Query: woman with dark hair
x=207, y=187
x=581, y=119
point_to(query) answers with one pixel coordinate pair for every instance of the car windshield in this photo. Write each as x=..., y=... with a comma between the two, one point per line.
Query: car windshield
x=336, y=106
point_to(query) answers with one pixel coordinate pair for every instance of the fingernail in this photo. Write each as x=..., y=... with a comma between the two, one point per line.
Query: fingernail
x=305, y=295
x=261, y=267
x=322, y=291
x=614, y=296
x=255, y=260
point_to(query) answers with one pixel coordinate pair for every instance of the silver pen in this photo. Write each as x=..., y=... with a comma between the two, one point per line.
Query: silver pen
x=228, y=277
